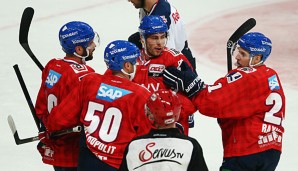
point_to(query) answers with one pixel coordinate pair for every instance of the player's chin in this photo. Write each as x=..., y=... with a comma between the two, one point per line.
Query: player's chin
x=157, y=52
x=89, y=58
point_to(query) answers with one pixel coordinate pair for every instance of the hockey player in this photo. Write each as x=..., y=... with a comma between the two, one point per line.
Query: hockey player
x=110, y=107
x=177, y=39
x=249, y=101
x=78, y=41
x=164, y=148
x=155, y=56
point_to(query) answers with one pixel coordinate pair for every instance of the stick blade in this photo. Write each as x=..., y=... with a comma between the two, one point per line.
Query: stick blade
x=13, y=129
x=11, y=124
x=244, y=28
x=25, y=24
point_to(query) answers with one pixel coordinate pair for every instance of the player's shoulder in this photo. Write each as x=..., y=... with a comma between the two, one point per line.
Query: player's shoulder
x=246, y=70
x=172, y=52
x=254, y=70
x=140, y=92
x=162, y=7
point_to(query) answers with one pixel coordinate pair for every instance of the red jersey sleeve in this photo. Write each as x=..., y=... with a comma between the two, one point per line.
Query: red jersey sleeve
x=67, y=113
x=237, y=95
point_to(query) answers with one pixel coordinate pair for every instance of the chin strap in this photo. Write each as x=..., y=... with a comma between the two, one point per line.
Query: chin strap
x=252, y=65
x=83, y=57
x=131, y=75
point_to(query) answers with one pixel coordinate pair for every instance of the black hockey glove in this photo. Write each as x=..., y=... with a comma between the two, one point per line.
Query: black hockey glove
x=183, y=79
x=135, y=38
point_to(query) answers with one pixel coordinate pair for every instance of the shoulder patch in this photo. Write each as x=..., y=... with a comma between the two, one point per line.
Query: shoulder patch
x=273, y=83
x=234, y=76
x=174, y=52
x=77, y=68
x=52, y=78
x=247, y=69
x=110, y=93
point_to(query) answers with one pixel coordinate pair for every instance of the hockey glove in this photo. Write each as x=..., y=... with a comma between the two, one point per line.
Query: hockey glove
x=44, y=137
x=184, y=80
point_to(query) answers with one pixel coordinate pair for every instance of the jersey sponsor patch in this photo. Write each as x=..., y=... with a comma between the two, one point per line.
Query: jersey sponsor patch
x=234, y=76
x=52, y=78
x=110, y=93
x=155, y=70
x=77, y=68
x=273, y=83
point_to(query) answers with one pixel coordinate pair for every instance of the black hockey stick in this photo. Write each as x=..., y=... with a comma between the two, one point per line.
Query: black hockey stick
x=244, y=28
x=27, y=96
x=19, y=141
x=23, y=35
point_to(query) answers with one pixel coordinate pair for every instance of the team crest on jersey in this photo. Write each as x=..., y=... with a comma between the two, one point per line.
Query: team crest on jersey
x=52, y=78
x=234, y=76
x=273, y=83
x=110, y=93
x=77, y=68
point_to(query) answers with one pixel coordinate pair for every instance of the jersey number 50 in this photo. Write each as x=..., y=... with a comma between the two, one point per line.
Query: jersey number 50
x=111, y=121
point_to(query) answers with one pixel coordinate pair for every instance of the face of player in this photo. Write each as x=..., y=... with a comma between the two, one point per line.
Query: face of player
x=137, y=3
x=243, y=58
x=155, y=44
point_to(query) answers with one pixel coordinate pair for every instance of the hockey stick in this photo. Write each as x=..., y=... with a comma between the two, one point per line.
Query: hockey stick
x=244, y=28
x=23, y=34
x=19, y=141
x=27, y=96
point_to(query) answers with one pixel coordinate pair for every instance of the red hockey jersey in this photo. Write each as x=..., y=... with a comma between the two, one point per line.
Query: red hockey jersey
x=58, y=78
x=149, y=74
x=250, y=103
x=112, y=110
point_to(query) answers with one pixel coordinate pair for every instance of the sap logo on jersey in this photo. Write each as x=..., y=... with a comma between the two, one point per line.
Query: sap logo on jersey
x=273, y=83
x=110, y=93
x=52, y=78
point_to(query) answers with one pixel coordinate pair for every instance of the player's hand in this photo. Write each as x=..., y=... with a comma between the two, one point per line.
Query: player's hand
x=183, y=79
x=44, y=137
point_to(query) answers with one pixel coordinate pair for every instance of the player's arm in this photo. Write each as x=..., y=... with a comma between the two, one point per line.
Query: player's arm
x=230, y=96
x=67, y=113
x=41, y=108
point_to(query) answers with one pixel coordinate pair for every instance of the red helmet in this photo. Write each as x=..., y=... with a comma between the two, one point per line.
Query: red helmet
x=164, y=107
